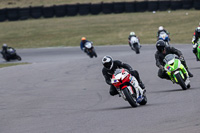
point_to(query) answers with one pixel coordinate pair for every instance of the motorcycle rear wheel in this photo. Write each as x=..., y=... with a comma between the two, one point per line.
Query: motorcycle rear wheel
x=131, y=99
x=144, y=101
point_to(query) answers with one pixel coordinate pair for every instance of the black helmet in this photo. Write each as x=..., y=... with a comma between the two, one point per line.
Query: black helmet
x=160, y=45
x=107, y=62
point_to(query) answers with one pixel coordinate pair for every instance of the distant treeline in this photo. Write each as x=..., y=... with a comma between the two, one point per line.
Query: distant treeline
x=13, y=14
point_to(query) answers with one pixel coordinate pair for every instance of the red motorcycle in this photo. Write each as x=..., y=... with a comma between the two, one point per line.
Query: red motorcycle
x=128, y=87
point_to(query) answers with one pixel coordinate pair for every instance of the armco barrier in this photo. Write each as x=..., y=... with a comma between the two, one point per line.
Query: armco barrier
x=118, y=7
x=24, y=13
x=60, y=10
x=72, y=10
x=13, y=14
x=164, y=5
x=187, y=4
x=48, y=12
x=2, y=15
x=84, y=9
x=196, y=4
x=36, y=12
x=153, y=6
x=176, y=4
x=141, y=6
x=95, y=8
x=107, y=8
x=130, y=7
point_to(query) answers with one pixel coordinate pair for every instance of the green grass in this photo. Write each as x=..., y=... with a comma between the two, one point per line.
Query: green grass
x=101, y=29
x=27, y=3
x=11, y=64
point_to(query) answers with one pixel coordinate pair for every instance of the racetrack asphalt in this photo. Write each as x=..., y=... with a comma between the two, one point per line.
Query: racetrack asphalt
x=62, y=90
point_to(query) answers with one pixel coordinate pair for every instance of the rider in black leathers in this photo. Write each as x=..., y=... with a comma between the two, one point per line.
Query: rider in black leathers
x=160, y=54
x=195, y=38
x=109, y=68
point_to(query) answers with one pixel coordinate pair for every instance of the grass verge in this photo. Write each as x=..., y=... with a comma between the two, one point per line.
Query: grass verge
x=101, y=29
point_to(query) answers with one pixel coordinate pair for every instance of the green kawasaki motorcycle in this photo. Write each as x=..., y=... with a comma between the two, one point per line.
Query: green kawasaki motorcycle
x=198, y=50
x=176, y=71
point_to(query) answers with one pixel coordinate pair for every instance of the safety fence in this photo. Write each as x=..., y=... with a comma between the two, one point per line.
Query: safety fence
x=13, y=14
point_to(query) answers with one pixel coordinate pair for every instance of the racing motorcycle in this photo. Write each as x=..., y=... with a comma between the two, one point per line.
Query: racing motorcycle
x=11, y=55
x=128, y=87
x=163, y=36
x=135, y=45
x=89, y=49
x=176, y=71
x=197, y=46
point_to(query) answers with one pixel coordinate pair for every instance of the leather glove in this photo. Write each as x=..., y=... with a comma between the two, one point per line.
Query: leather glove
x=181, y=58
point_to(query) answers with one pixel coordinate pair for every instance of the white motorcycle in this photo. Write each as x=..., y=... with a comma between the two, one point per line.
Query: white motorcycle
x=135, y=44
x=89, y=49
x=128, y=87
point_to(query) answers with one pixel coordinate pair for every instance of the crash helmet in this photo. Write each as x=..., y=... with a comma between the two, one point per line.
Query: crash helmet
x=5, y=45
x=107, y=62
x=160, y=45
x=83, y=38
x=198, y=29
x=132, y=33
x=161, y=28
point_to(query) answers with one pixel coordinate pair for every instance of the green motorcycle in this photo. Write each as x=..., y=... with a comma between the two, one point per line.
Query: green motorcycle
x=176, y=71
x=198, y=50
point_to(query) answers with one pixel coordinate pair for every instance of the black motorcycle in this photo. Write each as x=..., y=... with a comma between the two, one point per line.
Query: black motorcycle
x=89, y=49
x=11, y=55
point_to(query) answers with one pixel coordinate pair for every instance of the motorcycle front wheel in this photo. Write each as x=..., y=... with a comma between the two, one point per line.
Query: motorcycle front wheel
x=131, y=99
x=181, y=82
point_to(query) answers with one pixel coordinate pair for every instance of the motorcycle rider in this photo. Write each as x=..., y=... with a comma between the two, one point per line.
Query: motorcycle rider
x=161, y=29
x=132, y=34
x=109, y=68
x=82, y=43
x=195, y=38
x=162, y=51
x=5, y=50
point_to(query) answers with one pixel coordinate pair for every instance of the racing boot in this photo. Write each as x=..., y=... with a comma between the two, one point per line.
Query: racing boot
x=141, y=85
x=189, y=73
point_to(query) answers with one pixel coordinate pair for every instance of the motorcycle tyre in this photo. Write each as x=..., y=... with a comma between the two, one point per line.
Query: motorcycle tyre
x=181, y=81
x=144, y=101
x=137, y=49
x=18, y=58
x=131, y=99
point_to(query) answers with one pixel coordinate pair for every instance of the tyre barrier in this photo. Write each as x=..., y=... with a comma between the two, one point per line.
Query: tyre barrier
x=84, y=9
x=153, y=6
x=164, y=5
x=72, y=10
x=60, y=10
x=130, y=7
x=118, y=7
x=48, y=12
x=2, y=15
x=141, y=6
x=176, y=4
x=13, y=14
x=187, y=4
x=196, y=4
x=107, y=8
x=36, y=12
x=24, y=13
x=95, y=8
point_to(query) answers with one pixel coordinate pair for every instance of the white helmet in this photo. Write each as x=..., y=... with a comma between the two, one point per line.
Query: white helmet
x=5, y=45
x=132, y=33
x=107, y=61
x=161, y=28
